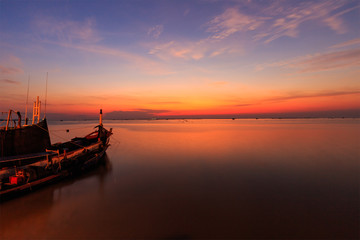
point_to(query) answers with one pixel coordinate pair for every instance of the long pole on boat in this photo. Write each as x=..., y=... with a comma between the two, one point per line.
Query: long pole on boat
x=8, y=120
x=47, y=74
x=27, y=101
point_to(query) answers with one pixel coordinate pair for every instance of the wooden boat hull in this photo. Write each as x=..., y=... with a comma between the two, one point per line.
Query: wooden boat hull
x=30, y=186
x=60, y=160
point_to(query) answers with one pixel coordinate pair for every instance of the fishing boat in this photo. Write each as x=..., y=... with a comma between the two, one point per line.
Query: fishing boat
x=28, y=159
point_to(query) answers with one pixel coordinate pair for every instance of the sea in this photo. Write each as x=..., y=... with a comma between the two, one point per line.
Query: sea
x=202, y=179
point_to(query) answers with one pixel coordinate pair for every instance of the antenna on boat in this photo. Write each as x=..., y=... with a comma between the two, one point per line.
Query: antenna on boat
x=46, y=93
x=27, y=101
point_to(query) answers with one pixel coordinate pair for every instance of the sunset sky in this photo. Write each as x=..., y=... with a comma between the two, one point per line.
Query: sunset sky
x=166, y=58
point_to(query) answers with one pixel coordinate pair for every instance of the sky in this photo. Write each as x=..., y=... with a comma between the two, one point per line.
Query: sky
x=180, y=58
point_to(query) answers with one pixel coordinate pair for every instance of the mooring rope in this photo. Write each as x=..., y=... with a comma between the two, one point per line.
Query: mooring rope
x=58, y=130
x=60, y=137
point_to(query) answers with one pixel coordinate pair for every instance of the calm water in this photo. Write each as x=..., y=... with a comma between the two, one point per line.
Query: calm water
x=203, y=179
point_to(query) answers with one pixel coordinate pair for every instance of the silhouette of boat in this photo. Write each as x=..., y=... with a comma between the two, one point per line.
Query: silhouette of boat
x=28, y=160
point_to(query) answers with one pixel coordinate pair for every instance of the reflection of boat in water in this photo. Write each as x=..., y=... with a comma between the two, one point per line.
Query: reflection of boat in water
x=44, y=204
x=27, y=159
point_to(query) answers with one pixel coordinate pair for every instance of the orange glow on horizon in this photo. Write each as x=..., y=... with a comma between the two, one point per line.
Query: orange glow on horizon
x=210, y=107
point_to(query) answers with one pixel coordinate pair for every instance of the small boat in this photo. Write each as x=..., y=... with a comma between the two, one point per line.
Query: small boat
x=28, y=160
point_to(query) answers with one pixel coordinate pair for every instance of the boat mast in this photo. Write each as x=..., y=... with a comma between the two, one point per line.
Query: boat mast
x=46, y=93
x=27, y=101
x=8, y=120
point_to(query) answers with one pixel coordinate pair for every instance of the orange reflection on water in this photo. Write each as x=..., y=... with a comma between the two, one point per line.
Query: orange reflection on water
x=203, y=179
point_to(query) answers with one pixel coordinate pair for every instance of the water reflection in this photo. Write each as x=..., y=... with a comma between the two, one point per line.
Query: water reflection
x=27, y=216
x=98, y=172
x=205, y=179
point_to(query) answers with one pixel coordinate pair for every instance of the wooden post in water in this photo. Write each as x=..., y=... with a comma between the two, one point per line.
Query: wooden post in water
x=100, y=121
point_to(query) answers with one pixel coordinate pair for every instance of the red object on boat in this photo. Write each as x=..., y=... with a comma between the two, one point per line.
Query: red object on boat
x=16, y=179
x=92, y=135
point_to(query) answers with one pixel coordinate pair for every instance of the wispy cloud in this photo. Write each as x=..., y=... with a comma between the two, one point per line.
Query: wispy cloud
x=245, y=104
x=135, y=114
x=310, y=95
x=155, y=31
x=9, y=70
x=220, y=28
x=232, y=21
x=12, y=60
x=186, y=12
x=175, y=49
x=296, y=95
x=329, y=61
x=347, y=43
x=189, y=50
x=9, y=81
x=292, y=17
x=336, y=23
x=166, y=103
x=141, y=63
x=67, y=30
x=319, y=62
x=273, y=20
x=83, y=36
x=260, y=23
